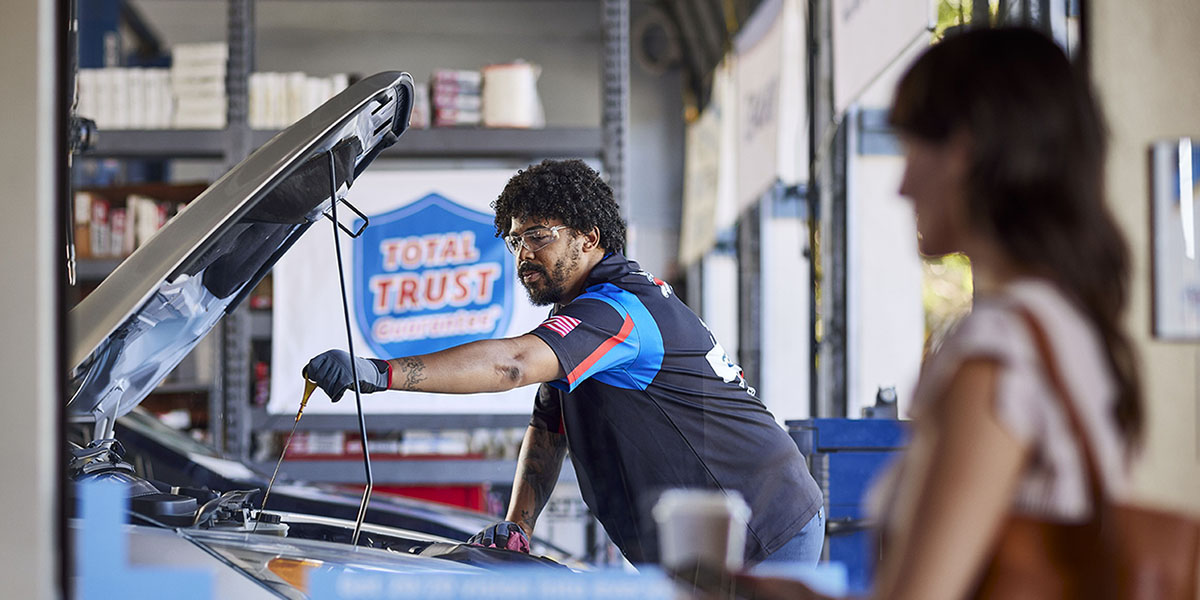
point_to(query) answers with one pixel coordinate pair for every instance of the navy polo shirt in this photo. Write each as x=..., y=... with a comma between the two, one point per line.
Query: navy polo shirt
x=650, y=402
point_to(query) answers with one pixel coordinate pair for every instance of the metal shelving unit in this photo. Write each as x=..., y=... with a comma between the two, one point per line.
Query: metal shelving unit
x=415, y=143
x=232, y=417
x=95, y=269
x=404, y=471
x=159, y=143
x=388, y=422
x=498, y=143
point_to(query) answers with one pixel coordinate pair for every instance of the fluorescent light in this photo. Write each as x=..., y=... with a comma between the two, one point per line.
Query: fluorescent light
x=1185, y=197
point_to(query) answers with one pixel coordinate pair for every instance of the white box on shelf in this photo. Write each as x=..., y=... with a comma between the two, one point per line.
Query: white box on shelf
x=295, y=97
x=258, y=113
x=200, y=113
x=137, y=92
x=205, y=52
x=186, y=74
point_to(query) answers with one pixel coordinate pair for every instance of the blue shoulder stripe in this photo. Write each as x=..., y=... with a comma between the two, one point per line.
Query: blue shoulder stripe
x=646, y=337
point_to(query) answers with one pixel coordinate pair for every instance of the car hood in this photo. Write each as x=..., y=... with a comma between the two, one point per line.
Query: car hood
x=128, y=334
x=140, y=425
x=262, y=566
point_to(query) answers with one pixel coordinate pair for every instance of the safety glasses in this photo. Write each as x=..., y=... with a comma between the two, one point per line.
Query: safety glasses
x=533, y=240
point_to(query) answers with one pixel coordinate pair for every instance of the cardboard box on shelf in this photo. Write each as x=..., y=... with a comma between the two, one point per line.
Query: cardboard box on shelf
x=83, y=225
x=465, y=77
x=112, y=222
x=117, y=220
x=99, y=227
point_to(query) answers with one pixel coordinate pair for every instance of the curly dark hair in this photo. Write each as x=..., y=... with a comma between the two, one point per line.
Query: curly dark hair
x=567, y=190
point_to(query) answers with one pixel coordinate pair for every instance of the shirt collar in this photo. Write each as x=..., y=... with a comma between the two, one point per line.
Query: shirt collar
x=613, y=266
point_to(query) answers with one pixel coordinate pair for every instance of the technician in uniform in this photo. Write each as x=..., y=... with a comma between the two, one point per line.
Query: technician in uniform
x=633, y=383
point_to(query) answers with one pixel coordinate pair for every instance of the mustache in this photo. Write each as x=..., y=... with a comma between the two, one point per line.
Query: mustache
x=526, y=268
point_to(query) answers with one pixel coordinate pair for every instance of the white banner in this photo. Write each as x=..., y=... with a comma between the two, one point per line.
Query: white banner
x=701, y=172
x=867, y=36
x=709, y=170
x=426, y=274
x=771, y=133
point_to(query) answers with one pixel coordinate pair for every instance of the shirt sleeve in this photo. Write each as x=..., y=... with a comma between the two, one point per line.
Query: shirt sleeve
x=589, y=336
x=996, y=332
x=547, y=410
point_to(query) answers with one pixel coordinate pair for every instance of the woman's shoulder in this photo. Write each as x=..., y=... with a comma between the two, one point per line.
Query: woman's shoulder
x=1000, y=315
x=996, y=329
x=992, y=329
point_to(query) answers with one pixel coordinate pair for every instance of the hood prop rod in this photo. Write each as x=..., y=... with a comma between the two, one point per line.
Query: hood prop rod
x=362, y=423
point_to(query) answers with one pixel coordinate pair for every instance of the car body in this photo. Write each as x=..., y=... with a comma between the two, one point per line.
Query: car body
x=157, y=451
x=140, y=322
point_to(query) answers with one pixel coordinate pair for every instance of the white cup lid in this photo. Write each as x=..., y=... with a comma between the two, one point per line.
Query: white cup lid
x=701, y=501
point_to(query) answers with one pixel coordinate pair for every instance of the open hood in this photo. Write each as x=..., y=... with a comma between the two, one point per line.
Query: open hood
x=128, y=334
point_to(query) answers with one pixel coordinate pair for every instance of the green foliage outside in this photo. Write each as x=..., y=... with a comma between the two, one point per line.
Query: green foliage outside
x=952, y=13
x=947, y=287
x=946, y=292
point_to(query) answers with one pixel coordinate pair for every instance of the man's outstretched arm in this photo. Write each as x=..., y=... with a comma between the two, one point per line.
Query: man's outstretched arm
x=482, y=366
x=538, y=466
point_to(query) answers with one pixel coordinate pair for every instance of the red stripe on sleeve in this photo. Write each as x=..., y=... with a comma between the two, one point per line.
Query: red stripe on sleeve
x=603, y=349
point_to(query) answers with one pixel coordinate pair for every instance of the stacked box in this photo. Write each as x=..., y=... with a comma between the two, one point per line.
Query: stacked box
x=420, y=109
x=83, y=224
x=114, y=228
x=307, y=443
x=456, y=97
x=126, y=98
x=279, y=99
x=101, y=231
x=198, y=84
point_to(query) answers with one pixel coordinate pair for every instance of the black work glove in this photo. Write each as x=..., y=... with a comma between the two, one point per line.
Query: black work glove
x=503, y=534
x=331, y=371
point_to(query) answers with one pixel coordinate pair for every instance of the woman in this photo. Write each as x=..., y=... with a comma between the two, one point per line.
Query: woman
x=1004, y=146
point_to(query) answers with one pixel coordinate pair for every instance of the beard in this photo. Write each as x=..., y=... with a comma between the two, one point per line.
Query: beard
x=552, y=287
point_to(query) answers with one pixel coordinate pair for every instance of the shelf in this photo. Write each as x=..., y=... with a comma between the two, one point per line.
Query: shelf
x=159, y=143
x=557, y=142
x=415, y=143
x=183, y=387
x=406, y=471
x=260, y=324
x=476, y=142
x=387, y=422
x=95, y=269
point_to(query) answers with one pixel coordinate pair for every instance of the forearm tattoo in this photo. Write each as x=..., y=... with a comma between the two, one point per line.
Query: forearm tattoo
x=411, y=370
x=542, y=463
x=526, y=520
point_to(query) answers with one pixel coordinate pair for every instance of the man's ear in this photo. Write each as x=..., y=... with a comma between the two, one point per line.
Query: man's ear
x=591, y=239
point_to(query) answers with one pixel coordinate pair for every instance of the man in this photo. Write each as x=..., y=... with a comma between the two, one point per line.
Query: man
x=632, y=381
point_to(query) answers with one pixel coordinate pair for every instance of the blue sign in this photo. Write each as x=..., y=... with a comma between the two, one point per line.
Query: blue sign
x=431, y=275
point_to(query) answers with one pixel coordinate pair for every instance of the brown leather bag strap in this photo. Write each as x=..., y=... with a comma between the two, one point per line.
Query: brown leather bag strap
x=1054, y=374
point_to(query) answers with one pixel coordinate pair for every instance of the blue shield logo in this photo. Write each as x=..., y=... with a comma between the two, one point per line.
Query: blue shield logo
x=431, y=275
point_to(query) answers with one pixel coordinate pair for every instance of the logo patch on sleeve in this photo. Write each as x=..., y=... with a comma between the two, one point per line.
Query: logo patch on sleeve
x=560, y=324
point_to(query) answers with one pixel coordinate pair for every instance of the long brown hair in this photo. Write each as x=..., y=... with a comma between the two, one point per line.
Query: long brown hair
x=1036, y=179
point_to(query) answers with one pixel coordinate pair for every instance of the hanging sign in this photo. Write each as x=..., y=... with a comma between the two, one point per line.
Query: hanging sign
x=429, y=276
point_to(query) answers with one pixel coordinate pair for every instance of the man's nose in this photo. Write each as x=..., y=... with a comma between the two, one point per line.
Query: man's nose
x=523, y=253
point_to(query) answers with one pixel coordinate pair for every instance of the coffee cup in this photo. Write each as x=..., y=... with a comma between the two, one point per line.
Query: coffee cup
x=700, y=527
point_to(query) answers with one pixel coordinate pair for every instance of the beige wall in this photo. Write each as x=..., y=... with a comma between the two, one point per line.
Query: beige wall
x=27, y=309
x=1147, y=69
